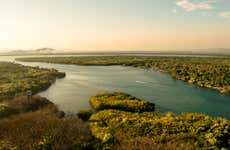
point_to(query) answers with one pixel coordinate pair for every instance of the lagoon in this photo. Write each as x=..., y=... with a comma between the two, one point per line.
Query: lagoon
x=71, y=93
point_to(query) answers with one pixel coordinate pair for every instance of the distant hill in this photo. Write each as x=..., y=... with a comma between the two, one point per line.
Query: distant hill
x=30, y=52
x=45, y=50
x=50, y=51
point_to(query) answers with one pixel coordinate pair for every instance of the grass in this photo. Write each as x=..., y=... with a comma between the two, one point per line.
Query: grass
x=43, y=130
x=22, y=105
x=36, y=124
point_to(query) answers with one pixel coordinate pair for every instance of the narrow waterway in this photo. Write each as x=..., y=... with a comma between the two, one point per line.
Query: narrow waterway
x=72, y=92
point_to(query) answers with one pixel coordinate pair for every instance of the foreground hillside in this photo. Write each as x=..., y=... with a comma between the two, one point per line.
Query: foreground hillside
x=39, y=125
x=206, y=72
x=30, y=123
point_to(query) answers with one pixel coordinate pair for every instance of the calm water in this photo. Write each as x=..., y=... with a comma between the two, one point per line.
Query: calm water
x=72, y=93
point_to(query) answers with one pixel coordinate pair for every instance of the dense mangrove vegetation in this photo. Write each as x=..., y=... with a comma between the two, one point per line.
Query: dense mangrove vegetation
x=16, y=79
x=206, y=72
x=118, y=127
x=198, y=130
x=121, y=101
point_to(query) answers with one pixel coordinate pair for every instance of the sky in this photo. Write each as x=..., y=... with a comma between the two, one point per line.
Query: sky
x=114, y=25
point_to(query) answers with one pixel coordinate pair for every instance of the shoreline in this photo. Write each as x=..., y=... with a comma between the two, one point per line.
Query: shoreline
x=17, y=79
x=114, y=118
x=130, y=62
x=220, y=90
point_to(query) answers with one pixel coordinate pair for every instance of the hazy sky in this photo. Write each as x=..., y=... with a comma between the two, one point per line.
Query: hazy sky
x=115, y=24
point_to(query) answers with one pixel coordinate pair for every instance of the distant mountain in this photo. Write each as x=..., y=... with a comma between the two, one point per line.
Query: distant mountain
x=30, y=52
x=45, y=50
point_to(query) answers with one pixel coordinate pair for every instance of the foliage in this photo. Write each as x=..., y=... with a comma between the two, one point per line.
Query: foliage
x=42, y=129
x=208, y=72
x=34, y=123
x=120, y=101
x=117, y=127
x=85, y=114
x=198, y=129
x=5, y=110
x=16, y=79
x=45, y=143
x=6, y=145
x=22, y=105
x=147, y=143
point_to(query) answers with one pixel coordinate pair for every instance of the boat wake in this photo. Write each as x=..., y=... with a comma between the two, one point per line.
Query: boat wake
x=142, y=82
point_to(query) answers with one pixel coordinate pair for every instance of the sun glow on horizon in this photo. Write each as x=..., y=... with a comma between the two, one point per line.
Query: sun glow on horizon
x=114, y=25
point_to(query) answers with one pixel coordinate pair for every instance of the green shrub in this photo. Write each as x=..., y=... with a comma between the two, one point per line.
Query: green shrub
x=120, y=101
x=5, y=110
x=6, y=145
x=16, y=79
x=45, y=143
x=194, y=128
x=21, y=104
x=43, y=130
x=85, y=114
